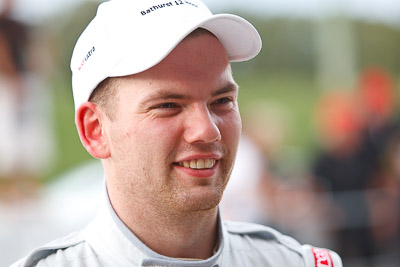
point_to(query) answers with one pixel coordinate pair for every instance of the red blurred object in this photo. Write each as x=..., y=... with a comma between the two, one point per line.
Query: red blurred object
x=377, y=92
x=337, y=113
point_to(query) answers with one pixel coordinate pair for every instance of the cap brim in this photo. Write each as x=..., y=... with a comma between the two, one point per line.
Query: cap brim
x=239, y=38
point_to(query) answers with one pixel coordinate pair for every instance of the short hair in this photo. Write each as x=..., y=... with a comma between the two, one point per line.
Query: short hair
x=104, y=93
x=104, y=96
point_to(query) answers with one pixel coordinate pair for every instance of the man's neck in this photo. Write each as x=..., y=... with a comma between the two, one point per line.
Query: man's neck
x=187, y=235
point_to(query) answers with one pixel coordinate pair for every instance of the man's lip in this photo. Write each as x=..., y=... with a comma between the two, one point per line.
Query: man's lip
x=200, y=156
x=198, y=173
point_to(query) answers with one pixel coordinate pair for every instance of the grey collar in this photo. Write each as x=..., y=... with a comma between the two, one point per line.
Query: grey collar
x=155, y=259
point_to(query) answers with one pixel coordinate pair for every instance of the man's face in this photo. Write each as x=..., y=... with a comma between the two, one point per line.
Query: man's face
x=176, y=130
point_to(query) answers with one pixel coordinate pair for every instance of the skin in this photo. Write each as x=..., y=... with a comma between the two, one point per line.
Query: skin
x=183, y=108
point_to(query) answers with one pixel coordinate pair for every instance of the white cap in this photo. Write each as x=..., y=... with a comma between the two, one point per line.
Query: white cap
x=131, y=36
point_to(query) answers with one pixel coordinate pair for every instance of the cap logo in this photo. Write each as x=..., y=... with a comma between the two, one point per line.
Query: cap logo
x=86, y=58
x=322, y=257
x=169, y=4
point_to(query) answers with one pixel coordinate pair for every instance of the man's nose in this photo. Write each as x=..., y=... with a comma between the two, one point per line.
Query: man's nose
x=201, y=126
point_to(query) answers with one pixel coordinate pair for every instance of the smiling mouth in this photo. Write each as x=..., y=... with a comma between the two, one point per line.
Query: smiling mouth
x=197, y=164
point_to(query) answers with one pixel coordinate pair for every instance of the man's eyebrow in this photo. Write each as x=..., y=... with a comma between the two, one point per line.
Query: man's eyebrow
x=161, y=95
x=166, y=94
x=231, y=87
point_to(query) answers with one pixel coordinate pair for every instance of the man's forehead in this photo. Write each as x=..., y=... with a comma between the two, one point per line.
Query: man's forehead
x=176, y=93
x=191, y=51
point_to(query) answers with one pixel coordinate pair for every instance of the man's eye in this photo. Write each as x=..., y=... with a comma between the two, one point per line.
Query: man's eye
x=224, y=100
x=167, y=106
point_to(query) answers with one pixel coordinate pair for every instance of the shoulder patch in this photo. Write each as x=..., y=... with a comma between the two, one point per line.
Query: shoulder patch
x=320, y=257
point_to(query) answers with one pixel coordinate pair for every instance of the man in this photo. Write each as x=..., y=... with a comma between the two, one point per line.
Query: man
x=156, y=102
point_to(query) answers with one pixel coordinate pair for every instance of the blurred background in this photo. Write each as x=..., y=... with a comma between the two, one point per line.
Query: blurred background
x=320, y=152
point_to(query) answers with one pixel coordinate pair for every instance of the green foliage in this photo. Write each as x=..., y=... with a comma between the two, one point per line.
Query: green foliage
x=70, y=151
x=287, y=45
x=378, y=44
x=295, y=95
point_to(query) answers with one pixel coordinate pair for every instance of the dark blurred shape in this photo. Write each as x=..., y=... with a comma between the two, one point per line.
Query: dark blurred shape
x=25, y=139
x=342, y=170
x=13, y=44
x=354, y=128
x=13, y=41
x=381, y=145
x=376, y=93
x=384, y=203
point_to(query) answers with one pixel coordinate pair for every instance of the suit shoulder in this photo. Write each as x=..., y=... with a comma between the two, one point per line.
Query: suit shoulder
x=262, y=232
x=263, y=236
x=62, y=244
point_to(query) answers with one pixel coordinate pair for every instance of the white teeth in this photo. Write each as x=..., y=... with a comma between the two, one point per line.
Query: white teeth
x=209, y=163
x=198, y=163
x=193, y=164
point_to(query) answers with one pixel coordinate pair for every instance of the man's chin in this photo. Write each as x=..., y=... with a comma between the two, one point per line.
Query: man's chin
x=206, y=201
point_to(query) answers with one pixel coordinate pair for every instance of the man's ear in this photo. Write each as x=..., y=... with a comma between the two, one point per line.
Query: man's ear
x=89, y=121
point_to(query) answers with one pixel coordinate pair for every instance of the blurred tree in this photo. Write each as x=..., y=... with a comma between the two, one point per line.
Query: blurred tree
x=378, y=44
